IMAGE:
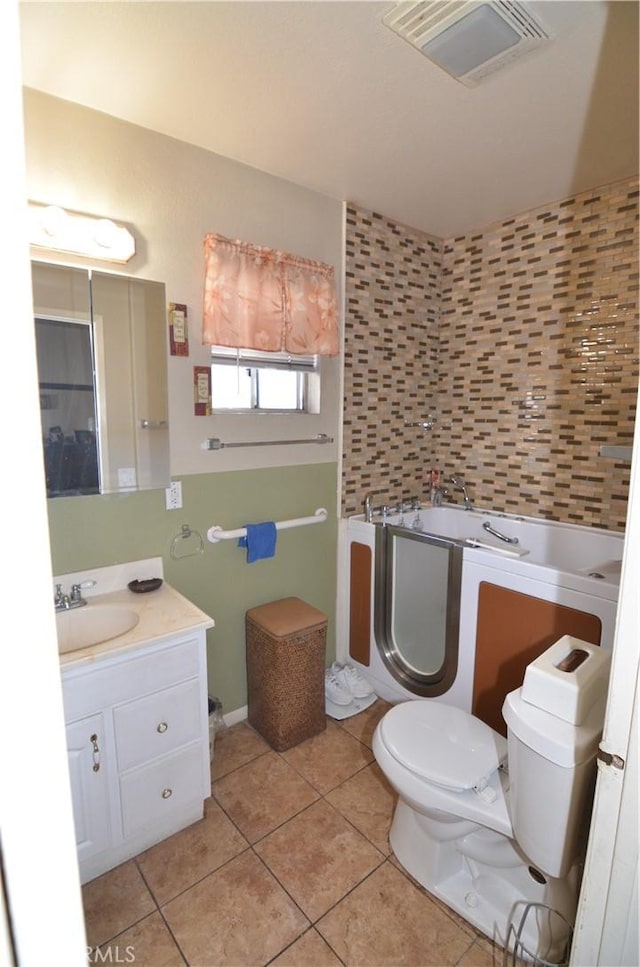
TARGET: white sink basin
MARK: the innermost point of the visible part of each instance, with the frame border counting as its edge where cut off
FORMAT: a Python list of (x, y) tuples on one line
[(92, 624)]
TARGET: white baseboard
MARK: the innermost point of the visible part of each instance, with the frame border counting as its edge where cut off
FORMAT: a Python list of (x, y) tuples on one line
[(238, 715)]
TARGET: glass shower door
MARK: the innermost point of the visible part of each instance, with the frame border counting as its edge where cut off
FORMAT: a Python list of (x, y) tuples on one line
[(417, 608)]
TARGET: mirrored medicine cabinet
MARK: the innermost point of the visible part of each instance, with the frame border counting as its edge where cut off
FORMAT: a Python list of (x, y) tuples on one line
[(102, 369)]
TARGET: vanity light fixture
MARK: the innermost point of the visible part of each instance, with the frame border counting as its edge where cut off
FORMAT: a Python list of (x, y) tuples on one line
[(57, 230)]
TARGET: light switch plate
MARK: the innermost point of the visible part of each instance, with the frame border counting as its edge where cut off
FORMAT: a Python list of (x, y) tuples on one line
[(126, 477)]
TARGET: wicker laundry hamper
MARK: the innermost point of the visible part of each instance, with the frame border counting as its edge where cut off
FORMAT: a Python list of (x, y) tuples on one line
[(286, 644)]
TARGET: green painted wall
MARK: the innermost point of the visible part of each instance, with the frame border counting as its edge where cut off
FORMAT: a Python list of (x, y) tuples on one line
[(96, 531)]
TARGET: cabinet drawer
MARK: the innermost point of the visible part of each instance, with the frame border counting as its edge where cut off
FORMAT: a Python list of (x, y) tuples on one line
[(156, 792), (156, 724), (123, 677)]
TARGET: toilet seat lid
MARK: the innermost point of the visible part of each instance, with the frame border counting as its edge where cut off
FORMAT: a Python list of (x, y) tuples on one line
[(443, 744)]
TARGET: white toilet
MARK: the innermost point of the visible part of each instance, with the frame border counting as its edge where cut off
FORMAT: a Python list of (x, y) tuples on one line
[(497, 828)]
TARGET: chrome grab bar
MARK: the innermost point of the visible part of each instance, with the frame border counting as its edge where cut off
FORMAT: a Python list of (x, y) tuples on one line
[(503, 537)]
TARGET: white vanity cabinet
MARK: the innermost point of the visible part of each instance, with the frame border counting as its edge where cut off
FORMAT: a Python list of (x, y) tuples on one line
[(137, 735), (89, 786)]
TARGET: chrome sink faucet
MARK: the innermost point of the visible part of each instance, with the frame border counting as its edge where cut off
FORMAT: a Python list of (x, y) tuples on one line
[(61, 600), (65, 602), (458, 484)]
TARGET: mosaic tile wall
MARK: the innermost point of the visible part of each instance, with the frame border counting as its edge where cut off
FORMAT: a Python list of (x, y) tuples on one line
[(532, 331), (392, 293)]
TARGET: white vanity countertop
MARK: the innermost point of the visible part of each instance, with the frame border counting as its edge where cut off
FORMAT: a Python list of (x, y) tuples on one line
[(161, 614)]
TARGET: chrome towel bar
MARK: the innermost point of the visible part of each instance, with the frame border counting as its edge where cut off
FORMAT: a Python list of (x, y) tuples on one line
[(214, 443)]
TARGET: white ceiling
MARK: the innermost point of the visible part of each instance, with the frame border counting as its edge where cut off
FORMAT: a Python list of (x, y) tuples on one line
[(324, 95)]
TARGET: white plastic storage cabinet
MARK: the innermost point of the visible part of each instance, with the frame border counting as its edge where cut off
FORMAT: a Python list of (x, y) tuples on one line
[(138, 746)]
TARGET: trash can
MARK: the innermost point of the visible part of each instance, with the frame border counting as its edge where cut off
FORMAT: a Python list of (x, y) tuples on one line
[(216, 722), (286, 644)]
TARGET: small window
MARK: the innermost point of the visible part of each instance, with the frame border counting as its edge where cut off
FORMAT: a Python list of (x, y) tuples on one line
[(247, 380)]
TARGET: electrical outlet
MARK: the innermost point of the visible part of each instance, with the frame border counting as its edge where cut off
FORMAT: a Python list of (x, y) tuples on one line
[(174, 495)]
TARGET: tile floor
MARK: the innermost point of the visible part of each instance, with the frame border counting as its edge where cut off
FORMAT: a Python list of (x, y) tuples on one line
[(291, 866)]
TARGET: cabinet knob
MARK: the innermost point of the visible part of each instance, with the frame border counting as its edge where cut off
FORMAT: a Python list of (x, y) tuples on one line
[(167, 793), (162, 727)]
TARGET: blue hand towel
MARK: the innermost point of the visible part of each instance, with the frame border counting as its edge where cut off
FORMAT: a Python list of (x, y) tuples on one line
[(260, 541)]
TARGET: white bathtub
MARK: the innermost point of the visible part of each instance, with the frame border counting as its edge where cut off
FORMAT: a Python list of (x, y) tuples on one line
[(564, 554), (551, 562)]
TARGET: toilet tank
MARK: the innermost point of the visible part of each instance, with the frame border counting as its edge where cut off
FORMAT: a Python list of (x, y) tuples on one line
[(553, 735)]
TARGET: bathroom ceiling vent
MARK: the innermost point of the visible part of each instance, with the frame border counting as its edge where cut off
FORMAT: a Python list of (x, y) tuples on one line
[(470, 39)]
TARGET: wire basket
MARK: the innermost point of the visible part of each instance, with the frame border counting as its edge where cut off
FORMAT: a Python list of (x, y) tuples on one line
[(554, 934)]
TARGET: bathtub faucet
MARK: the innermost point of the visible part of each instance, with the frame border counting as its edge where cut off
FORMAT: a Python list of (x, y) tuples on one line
[(458, 484), (368, 508)]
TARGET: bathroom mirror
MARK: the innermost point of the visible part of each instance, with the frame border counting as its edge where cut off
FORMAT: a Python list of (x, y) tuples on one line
[(102, 369)]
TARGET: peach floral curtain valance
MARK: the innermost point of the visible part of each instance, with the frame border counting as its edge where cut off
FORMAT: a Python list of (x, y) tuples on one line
[(258, 298)]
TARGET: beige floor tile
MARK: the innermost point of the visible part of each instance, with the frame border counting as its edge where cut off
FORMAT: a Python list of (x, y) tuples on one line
[(114, 901), (234, 747), (262, 795), (148, 944), (446, 909), (238, 915), (184, 858), (309, 951), (328, 759), (386, 921), (317, 857), (480, 954), (368, 801), (363, 726)]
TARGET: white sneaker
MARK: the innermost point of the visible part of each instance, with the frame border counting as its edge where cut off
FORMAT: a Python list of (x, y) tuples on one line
[(335, 690), (351, 680)]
